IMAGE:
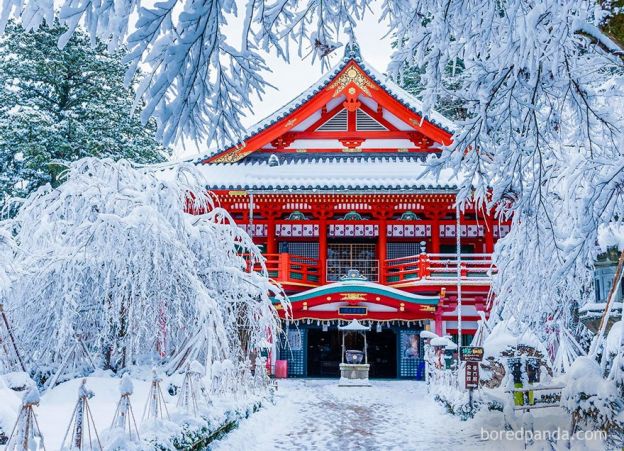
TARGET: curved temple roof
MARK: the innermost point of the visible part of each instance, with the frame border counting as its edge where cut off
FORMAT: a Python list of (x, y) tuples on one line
[(382, 173), (358, 82), (365, 287)]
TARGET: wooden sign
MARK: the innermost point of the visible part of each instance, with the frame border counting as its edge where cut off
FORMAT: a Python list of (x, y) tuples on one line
[(471, 354), (472, 375)]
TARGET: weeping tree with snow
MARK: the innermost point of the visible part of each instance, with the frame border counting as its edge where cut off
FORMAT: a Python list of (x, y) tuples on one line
[(538, 82), (140, 264)]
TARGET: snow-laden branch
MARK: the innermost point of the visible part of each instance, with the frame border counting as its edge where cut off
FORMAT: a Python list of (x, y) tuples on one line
[(541, 142), (195, 81), (111, 255)]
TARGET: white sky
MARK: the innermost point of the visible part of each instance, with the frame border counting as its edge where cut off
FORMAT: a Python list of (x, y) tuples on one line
[(292, 78)]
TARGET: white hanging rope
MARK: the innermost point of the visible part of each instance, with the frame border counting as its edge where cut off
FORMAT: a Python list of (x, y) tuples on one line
[(459, 284)]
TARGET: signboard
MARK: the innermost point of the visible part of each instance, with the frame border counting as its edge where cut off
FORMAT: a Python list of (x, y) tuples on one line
[(294, 340), (352, 311), (471, 354), (472, 375)]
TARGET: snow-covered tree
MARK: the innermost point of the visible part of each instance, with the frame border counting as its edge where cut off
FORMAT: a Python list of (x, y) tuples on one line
[(59, 105), (542, 88), (201, 77), (540, 84), (113, 255)]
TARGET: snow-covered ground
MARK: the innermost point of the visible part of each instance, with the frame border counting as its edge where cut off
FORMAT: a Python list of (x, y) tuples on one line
[(57, 405), (319, 415), (391, 415)]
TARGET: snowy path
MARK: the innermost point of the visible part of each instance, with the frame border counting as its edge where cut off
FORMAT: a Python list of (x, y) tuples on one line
[(319, 415)]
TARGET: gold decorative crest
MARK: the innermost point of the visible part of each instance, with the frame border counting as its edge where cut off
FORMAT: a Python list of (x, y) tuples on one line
[(232, 156), (290, 122), (352, 296), (351, 75), (415, 123)]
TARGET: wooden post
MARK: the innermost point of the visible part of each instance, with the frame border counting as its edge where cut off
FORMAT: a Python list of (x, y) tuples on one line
[(489, 235), (605, 315), (382, 250), (323, 250), (365, 349), (12, 338), (271, 247), (435, 234), (284, 267)]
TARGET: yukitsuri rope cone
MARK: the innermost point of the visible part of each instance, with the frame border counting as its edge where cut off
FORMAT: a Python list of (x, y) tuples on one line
[(10, 358), (124, 415), (155, 408), (26, 430), (190, 392), (81, 430)]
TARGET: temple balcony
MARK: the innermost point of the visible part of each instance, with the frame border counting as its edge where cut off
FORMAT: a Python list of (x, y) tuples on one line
[(425, 269)]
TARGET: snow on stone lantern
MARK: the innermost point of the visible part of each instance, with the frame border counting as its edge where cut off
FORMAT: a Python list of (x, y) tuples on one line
[(354, 367)]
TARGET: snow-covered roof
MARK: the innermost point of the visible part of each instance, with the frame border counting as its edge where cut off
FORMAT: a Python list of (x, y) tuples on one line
[(352, 54), (361, 286), (400, 173), (443, 341), (354, 325)]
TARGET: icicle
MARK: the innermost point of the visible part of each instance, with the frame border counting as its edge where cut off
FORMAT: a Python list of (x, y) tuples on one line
[(155, 408), (124, 419), (81, 429), (26, 429)]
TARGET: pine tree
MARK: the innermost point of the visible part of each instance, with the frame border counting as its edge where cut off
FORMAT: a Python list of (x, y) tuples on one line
[(448, 103), (57, 106)]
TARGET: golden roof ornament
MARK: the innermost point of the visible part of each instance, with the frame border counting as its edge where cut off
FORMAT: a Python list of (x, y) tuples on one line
[(352, 75)]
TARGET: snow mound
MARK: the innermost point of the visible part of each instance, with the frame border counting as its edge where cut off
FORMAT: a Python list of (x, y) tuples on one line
[(443, 341), (508, 335), (17, 380), (125, 386), (614, 339), (428, 334), (9, 407)]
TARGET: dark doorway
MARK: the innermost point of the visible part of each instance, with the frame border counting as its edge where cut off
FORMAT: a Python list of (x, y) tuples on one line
[(325, 354), (382, 353)]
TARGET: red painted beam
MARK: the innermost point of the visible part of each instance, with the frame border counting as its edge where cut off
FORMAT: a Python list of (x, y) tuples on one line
[(375, 134)]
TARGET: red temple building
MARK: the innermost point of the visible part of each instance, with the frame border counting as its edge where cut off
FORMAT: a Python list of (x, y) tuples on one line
[(333, 188)]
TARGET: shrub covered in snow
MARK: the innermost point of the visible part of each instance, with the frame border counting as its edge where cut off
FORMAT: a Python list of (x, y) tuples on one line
[(593, 402), (113, 256)]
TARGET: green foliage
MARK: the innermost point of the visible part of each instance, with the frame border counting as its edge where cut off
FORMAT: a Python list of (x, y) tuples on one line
[(448, 104), (614, 24), (57, 106)]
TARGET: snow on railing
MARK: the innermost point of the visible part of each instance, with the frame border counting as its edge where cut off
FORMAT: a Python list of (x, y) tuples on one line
[(285, 268)]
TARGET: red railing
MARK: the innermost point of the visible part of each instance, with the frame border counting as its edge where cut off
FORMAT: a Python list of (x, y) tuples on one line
[(299, 270), (436, 266), (287, 268)]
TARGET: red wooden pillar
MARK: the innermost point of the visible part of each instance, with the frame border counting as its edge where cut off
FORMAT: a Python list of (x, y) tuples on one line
[(382, 250), (284, 267), (438, 321), (271, 236), (435, 234), (489, 235), (322, 250)]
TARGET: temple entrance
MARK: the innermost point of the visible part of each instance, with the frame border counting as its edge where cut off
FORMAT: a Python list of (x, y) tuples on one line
[(382, 353), (345, 256), (324, 352)]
